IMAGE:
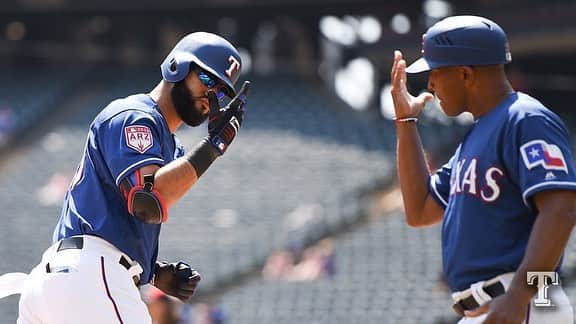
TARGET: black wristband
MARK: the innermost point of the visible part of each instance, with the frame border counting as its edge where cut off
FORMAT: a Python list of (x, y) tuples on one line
[(202, 156)]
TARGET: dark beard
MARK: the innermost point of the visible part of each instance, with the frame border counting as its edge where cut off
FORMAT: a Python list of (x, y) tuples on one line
[(185, 105)]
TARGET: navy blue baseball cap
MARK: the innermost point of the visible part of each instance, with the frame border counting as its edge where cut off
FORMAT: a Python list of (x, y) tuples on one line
[(462, 40)]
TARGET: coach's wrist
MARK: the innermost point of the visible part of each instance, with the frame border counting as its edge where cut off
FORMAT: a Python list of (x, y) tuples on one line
[(405, 120), (521, 291)]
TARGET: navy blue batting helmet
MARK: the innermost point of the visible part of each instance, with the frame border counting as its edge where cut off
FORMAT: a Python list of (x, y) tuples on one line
[(210, 52), (462, 40)]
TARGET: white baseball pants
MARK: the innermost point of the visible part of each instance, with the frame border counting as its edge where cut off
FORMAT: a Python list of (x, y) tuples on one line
[(86, 285)]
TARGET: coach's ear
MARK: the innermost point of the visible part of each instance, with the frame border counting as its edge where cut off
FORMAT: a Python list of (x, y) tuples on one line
[(468, 75)]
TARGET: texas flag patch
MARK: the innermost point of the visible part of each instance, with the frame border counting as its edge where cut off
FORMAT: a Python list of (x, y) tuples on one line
[(539, 153), (139, 137)]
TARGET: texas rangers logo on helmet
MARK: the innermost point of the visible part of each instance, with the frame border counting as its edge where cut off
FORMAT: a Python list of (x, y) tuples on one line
[(139, 137), (234, 66), (539, 153)]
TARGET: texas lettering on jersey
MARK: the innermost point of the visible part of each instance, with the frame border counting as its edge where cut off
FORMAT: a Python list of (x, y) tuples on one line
[(466, 179)]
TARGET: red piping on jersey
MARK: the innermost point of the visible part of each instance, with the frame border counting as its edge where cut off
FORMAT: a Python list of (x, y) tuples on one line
[(108, 291), (528, 313)]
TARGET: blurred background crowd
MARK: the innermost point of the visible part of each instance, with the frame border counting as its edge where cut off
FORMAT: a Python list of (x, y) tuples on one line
[(311, 228)]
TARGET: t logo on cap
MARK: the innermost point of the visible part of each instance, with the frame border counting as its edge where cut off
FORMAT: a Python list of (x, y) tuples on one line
[(234, 66)]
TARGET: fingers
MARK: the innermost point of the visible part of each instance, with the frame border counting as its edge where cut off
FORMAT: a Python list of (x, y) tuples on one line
[(424, 97), (401, 74), (244, 89), (184, 297), (398, 74), (393, 69), (240, 98), (477, 311), (194, 277), (397, 58), (213, 102), (187, 290)]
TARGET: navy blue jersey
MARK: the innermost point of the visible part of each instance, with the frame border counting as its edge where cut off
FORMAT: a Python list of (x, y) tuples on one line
[(125, 136), (516, 150)]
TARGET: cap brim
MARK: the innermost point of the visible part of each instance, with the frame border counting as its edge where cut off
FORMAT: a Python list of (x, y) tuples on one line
[(420, 65)]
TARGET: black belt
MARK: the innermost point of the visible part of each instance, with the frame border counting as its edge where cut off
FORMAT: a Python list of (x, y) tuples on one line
[(77, 243), (469, 303)]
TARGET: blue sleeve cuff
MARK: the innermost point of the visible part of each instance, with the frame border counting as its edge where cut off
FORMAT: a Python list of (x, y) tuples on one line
[(137, 165), (550, 185), (435, 193)]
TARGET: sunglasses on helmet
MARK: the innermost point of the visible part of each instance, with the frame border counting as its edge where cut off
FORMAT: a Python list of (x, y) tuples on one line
[(213, 83)]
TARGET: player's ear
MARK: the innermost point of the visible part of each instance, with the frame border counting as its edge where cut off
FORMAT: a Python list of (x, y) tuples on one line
[(468, 74)]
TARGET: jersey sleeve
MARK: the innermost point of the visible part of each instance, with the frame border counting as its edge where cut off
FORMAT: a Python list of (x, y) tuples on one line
[(129, 141), (439, 183), (180, 151), (538, 154)]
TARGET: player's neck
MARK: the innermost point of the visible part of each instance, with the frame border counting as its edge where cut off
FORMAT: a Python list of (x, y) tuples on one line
[(161, 95), (489, 98)]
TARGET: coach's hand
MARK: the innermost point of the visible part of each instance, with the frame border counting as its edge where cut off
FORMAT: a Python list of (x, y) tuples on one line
[(225, 122), (405, 104), (176, 279), (504, 309)]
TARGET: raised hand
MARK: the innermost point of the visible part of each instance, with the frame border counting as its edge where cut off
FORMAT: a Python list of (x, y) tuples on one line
[(225, 121), (405, 104)]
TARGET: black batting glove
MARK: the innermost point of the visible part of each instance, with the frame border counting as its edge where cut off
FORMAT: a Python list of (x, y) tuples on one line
[(225, 121), (176, 279)]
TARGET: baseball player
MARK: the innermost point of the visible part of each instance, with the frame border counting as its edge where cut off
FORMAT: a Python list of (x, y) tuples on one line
[(132, 170), (506, 198)]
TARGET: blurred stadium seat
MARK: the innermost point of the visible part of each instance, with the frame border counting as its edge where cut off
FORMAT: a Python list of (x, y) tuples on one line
[(27, 94)]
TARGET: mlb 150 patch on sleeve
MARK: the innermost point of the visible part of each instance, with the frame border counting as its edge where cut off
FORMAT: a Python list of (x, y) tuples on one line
[(539, 153), (139, 137)]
